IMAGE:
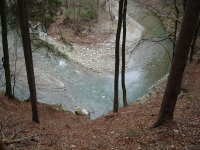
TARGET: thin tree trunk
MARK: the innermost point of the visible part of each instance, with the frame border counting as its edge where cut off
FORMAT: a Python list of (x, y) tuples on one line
[(116, 80), (97, 11), (74, 9), (184, 4), (5, 59), (194, 41), (28, 58), (2, 146), (123, 54), (179, 62), (67, 6), (176, 25)]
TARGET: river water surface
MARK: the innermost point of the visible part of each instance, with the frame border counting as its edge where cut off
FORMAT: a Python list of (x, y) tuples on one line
[(65, 82)]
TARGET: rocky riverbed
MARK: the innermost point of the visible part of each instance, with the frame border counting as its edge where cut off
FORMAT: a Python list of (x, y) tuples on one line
[(99, 54)]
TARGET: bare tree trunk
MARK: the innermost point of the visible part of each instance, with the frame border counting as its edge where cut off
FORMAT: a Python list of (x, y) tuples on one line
[(176, 25), (66, 3), (123, 54), (179, 62), (116, 80), (2, 146), (97, 11), (5, 59), (28, 58), (184, 4), (74, 9)]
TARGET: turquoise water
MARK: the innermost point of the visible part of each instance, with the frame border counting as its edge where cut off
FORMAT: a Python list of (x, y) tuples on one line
[(65, 82)]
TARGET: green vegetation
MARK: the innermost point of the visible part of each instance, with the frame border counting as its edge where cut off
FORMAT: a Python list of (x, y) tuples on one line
[(51, 49), (191, 96), (88, 10), (37, 11), (43, 11), (62, 39), (69, 12), (84, 11)]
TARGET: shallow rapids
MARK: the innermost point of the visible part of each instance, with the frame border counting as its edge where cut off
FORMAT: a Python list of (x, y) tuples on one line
[(66, 82)]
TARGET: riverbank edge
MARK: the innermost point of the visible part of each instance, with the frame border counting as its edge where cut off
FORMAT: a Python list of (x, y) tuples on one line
[(166, 22), (160, 84), (152, 91)]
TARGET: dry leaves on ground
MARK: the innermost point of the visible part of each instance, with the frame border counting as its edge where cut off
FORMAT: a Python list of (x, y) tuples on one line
[(128, 129)]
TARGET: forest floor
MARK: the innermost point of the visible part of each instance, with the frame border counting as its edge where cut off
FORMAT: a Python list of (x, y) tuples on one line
[(128, 129)]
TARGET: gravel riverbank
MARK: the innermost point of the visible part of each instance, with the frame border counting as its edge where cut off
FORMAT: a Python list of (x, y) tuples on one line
[(99, 55)]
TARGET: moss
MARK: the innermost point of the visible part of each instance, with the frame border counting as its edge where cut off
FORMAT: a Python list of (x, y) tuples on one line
[(10, 141), (191, 96)]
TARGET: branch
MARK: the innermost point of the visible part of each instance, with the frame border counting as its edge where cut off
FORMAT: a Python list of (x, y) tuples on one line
[(5, 118), (15, 133), (10, 141), (3, 135)]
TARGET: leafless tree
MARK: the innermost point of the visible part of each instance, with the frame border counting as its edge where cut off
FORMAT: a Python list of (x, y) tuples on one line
[(5, 59), (179, 62), (123, 54), (116, 80), (28, 58)]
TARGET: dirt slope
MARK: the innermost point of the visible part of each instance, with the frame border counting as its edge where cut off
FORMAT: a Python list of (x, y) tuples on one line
[(127, 129)]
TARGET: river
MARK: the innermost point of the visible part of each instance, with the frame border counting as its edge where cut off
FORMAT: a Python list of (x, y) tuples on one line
[(60, 81)]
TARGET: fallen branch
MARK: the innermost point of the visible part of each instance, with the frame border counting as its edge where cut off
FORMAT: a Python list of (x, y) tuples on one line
[(1, 124), (14, 134), (10, 141)]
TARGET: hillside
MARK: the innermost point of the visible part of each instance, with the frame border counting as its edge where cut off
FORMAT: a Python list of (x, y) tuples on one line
[(128, 129)]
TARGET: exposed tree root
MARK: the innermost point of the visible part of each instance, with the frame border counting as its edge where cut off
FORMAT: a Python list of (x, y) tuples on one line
[(2, 146)]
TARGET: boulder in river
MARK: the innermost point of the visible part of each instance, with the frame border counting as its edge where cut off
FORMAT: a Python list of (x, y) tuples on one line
[(82, 112)]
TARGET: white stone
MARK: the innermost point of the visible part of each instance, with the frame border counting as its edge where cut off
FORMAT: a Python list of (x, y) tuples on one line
[(85, 111)]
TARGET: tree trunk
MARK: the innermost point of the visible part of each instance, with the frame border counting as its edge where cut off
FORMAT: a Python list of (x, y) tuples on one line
[(28, 58), (184, 4), (194, 41), (116, 101), (5, 59), (123, 54), (176, 25), (2, 146), (179, 62), (66, 3), (97, 19)]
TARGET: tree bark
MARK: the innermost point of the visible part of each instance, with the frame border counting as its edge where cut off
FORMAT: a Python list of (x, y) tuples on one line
[(184, 4), (179, 62), (2, 146), (28, 58), (116, 80), (123, 54), (5, 59)]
